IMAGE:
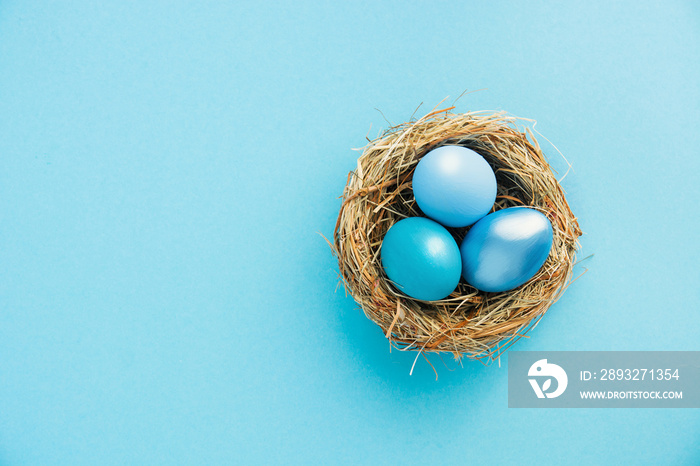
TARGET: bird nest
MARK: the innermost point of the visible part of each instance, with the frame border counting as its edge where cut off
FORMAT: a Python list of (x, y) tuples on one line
[(469, 322)]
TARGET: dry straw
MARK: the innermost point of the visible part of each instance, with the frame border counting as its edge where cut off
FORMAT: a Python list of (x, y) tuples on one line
[(378, 193)]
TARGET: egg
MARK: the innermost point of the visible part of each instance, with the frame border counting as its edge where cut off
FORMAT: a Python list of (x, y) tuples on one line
[(505, 249), (454, 186), (421, 258)]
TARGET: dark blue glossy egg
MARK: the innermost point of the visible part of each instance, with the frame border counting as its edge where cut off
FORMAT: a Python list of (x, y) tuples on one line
[(505, 249)]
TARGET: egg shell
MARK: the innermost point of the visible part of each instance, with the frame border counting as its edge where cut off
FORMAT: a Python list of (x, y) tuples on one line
[(454, 186), (421, 258), (505, 249)]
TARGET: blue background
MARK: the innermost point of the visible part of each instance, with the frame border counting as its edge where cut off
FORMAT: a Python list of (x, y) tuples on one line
[(165, 169)]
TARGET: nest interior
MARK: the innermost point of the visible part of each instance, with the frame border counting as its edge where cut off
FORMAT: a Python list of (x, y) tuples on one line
[(378, 193)]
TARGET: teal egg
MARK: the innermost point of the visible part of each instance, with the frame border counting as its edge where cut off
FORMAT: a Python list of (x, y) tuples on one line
[(505, 249), (421, 258)]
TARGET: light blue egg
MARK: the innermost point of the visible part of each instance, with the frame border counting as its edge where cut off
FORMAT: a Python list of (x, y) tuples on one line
[(454, 185), (506, 248), (422, 258)]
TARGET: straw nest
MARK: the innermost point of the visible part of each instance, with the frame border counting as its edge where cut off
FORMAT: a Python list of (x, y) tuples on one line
[(378, 193)]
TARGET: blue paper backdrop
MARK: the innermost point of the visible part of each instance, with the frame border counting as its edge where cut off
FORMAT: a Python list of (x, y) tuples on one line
[(166, 169)]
